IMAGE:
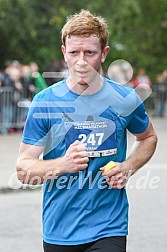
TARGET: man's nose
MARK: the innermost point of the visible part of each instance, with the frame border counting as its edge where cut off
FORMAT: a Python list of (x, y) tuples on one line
[(81, 59)]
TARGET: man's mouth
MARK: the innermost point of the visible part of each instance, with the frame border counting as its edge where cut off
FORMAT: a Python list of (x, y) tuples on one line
[(82, 73)]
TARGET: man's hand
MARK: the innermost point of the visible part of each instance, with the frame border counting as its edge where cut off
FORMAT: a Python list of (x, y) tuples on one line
[(118, 176), (76, 158)]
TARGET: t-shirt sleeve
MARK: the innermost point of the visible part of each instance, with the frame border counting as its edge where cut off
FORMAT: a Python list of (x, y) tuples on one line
[(139, 120), (36, 126)]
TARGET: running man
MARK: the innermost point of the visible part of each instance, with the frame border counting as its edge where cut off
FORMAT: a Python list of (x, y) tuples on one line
[(79, 125)]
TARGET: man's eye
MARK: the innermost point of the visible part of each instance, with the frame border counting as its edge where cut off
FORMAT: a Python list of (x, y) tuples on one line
[(73, 52), (89, 53)]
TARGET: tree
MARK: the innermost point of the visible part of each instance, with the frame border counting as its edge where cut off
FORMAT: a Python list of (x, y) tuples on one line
[(30, 30)]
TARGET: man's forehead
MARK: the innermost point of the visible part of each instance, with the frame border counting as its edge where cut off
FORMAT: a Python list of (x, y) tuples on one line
[(73, 40)]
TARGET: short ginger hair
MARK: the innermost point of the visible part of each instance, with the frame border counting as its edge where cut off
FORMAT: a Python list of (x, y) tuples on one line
[(85, 23)]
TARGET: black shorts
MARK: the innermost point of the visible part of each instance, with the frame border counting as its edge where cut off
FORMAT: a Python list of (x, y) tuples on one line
[(109, 244)]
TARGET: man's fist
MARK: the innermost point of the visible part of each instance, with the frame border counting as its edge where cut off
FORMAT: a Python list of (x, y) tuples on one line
[(76, 158)]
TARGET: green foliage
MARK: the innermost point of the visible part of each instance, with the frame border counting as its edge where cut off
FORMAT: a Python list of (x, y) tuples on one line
[(30, 30)]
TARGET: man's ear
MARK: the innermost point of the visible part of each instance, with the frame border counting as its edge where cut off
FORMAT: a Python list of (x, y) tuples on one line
[(63, 49), (104, 53)]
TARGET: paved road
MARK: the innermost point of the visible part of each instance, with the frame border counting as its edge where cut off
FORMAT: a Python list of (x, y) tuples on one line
[(147, 192), (20, 218)]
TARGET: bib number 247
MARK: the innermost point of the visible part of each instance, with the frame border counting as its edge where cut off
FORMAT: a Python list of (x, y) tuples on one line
[(94, 139)]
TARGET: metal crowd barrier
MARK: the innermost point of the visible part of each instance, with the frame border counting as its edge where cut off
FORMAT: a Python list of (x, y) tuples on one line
[(13, 109)]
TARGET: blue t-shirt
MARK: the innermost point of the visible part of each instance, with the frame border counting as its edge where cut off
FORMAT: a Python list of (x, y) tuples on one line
[(81, 207)]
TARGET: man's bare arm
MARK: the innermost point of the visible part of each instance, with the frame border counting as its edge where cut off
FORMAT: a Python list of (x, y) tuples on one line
[(29, 166), (141, 152)]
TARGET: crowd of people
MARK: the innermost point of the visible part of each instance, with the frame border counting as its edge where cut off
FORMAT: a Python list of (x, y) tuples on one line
[(153, 93), (19, 83), (158, 89)]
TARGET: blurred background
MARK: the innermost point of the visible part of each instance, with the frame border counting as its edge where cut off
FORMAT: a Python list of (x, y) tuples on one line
[(30, 45), (30, 33)]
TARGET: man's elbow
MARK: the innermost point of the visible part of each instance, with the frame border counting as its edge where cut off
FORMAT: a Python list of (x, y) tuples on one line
[(155, 140), (153, 143)]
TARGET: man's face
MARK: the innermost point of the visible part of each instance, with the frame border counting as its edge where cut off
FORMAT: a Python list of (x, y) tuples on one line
[(84, 57)]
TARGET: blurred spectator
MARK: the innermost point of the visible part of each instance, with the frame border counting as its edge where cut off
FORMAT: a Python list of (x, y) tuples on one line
[(15, 76), (6, 104), (161, 94), (141, 78), (37, 80), (26, 80), (28, 91), (53, 67), (11, 89), (142, 85), (1, 77), (57, 70)]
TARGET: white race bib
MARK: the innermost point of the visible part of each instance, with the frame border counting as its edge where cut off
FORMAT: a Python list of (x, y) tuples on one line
[(98, 136)]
